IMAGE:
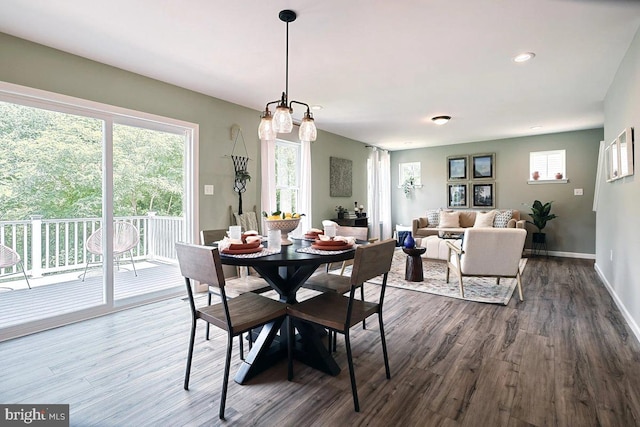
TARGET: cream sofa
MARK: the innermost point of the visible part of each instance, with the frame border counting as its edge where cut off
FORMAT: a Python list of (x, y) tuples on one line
[(421, 227)]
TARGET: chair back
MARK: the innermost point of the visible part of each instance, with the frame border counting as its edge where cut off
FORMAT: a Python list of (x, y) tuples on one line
[(492, 251), (201, 263), (360, 233), (207, 237), (372, 260), (125, 238), (8, 257)]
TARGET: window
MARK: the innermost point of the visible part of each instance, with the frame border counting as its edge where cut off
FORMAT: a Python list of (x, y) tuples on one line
[(287, 176), (547, 165)]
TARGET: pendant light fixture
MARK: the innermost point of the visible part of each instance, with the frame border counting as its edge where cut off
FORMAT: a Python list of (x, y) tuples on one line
[(281, 121)]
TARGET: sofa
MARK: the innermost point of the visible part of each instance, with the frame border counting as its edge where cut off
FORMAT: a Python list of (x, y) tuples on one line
[(429, 230)]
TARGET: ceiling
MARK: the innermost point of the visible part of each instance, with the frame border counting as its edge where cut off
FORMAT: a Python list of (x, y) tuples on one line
[(380, 69)]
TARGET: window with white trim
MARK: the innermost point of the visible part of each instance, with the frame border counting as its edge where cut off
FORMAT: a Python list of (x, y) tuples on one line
[(547, 165), (287, 175)]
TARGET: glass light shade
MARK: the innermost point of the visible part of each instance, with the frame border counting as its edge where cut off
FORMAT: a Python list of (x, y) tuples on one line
[(307, 130), (282, 120), (266, 132)]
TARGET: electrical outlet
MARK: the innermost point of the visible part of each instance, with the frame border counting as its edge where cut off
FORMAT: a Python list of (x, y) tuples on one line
[(208, 190), (577, 192)]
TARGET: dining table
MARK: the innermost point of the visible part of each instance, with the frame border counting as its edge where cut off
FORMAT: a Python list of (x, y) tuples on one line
[(286, 271)]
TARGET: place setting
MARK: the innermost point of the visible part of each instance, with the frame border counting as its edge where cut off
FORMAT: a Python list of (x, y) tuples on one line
[(243, 245), (327, 243)]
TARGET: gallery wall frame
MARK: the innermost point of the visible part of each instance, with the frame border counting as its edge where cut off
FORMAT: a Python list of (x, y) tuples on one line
[(458, 168), (613, 159), (457, 195), (340, 177), (483, 166), (483, 195), (409, 170), (625, 150)]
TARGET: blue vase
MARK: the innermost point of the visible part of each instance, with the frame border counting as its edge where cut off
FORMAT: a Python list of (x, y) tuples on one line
[(409, 243)]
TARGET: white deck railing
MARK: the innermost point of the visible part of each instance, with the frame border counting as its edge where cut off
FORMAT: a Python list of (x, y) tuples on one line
[(55, 245)]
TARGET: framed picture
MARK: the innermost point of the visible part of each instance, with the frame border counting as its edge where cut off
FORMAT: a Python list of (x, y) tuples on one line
[(483, 166), (625, 148), (340, 177), (613, 161), (409, 171), (457, 168), (457, 196), (484, 195)]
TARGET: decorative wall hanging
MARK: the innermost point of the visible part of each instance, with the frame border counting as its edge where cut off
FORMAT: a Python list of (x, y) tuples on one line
[(457, 196), (483, 166), (340, 177), (483, 195), (457, 168), (240, 164)]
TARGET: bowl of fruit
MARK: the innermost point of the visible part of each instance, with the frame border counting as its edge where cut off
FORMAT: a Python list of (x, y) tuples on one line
[(286, 222)]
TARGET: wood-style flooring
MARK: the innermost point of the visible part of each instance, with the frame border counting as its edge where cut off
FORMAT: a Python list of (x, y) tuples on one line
[(563, 357)]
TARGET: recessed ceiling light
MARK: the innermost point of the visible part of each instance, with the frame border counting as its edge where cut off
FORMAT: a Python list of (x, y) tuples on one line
[(316, 107), (535, 127), (440, 120), (524, 57)]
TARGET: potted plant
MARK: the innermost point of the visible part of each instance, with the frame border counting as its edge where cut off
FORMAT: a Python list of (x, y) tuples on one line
[(540, 214), (341, 212)]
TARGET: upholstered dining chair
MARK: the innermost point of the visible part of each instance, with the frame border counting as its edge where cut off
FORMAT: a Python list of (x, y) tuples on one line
[(339, 313), (236, 316), (236, 287), (9, 258), (125, 238), (487, 252)]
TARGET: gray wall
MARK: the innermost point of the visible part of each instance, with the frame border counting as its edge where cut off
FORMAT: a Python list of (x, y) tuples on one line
[(571, 234), (618, 228), (40, 67)]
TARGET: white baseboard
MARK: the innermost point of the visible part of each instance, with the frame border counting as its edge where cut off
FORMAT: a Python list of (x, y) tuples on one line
[(564, 254), (625, 313)]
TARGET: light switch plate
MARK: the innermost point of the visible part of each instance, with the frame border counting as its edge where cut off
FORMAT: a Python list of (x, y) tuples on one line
[(577, 191), (208, 190)]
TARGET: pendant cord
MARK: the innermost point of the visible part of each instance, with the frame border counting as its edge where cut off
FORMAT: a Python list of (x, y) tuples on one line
[(286, 83)]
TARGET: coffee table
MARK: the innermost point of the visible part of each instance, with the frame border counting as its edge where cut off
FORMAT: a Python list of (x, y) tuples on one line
[(413, 270)]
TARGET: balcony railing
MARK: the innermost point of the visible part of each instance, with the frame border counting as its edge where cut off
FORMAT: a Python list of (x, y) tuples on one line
[(56, 245)]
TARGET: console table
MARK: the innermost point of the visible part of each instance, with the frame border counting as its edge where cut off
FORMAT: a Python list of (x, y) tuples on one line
[(352, 222)]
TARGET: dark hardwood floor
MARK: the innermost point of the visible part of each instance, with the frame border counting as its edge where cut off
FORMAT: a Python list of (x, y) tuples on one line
[(563, 357)]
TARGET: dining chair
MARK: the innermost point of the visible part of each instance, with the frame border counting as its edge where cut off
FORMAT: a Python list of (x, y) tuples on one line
[(236, 315), (339, 313), (236, 287), (125, 238), (10, 258)]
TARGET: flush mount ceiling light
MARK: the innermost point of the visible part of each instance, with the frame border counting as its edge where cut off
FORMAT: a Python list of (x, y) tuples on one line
[(440, 120), (281, 121), (524, 57)]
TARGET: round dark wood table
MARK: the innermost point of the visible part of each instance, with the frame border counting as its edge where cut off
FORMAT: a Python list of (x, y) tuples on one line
[(413, 270), (286, 272)]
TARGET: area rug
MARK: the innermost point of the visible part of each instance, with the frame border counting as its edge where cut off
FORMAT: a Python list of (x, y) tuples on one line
[(479, 289)]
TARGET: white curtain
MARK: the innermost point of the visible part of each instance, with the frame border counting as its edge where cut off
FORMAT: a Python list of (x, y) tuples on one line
[(379, 193), (304, 197), (268, 164)]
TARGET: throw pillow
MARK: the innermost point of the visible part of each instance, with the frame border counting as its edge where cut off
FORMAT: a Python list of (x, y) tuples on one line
[(484, 219), (433, 216), (449, 219), (502, 218)]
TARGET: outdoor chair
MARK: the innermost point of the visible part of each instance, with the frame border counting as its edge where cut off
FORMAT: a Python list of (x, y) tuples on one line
[(487, 252), (125, 238), (236, 316), (339, 313), (10, 258)]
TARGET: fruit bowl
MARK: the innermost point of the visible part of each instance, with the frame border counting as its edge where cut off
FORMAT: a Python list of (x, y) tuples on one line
[(285, 226)]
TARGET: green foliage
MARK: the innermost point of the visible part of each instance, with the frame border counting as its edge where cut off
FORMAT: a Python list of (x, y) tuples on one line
[(51, 165), (541, 214)]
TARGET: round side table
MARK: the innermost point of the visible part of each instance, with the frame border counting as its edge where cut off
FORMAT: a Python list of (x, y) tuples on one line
[(413, 271)]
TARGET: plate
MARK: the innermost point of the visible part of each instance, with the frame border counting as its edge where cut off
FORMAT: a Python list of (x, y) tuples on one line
[(342, 247), (242, 251), (311, 236), (241, 246), (331, 243)]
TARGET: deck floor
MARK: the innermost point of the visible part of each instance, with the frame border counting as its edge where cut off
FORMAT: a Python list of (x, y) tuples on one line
[(66, 293)]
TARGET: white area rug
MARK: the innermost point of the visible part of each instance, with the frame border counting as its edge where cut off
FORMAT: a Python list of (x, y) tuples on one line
[(479, 289)]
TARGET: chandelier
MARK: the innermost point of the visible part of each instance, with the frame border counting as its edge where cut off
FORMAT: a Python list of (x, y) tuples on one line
[(281, 121)]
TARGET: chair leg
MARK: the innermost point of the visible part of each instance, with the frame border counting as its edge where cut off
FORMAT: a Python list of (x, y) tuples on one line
[(25, 274), (335, 341), (519, 279), (133, 263), (250, 339), (208, 325), (85, 271), (384, 347), (225, 380), (352, 374), (241, 346), (364, 321), (190, 354), (290, 344)]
